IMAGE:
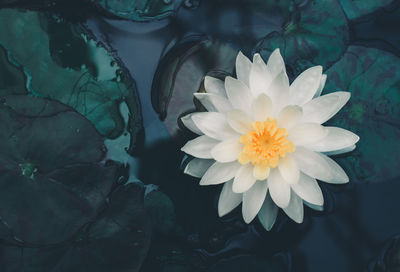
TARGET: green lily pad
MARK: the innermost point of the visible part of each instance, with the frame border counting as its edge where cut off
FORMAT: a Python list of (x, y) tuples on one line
[(117, 241), (316, 34), (139, 10), (62, 63), (12, 78), (373, 112), (357, 8), (52, 181), (180, 74), (161, 210)]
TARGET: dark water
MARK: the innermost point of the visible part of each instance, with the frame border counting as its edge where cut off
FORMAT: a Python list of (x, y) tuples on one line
[(357, 230)]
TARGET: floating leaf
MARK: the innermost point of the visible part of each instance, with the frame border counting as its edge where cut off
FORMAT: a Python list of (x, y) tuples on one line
[(12, 79), (161, 210), (139, 10), (373, 113), (64, 64), (51, 180), (316, 34), (181, 73), (357, 8), (117, 241)]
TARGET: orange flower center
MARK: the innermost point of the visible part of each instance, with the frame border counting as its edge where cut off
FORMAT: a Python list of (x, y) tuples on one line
[(265, 144)]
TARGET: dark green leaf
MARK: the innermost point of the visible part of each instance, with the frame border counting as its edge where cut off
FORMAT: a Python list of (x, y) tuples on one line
[(357, 8)]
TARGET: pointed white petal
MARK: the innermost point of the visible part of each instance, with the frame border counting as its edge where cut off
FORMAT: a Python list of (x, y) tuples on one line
[(323, 108), (227, 151), (340, 151), (268, 212), (214, 125), (239, 121), (198, 167), (319, 166), (243, 68), (238, 94), (228, 200), (244, 179), (275, 63), (200, 147), (278, 91), (219, 173), (295, 208), (189, 124), (262, 108), (279, 189), (253, 199), (289, 116), (261, 172), (213, 102), (321, 86), (307, 133), (260, 77), (336, 139), (289, 170), (305, 85), (215, 86), (313, 206), (308, 189)]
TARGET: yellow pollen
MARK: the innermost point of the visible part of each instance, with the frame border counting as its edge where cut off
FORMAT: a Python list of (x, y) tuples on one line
[(265, 144)]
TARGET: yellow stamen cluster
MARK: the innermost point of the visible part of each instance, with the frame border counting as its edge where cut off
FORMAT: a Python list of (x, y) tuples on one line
[(265, 144)]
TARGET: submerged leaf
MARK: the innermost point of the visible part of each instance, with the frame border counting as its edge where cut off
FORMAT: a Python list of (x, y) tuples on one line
[(373, 112), (139, 10), (64, 64), (181, 72), (316, 34)]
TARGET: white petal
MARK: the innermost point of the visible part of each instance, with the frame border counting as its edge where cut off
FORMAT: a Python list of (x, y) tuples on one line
[(261, 172), (313, 206), (243, 68), (253, 199), (279, 189), (215, 86), (319, 166), (278, 91), (189, 124), (323, 108), (295, 208), (268, 212), (227, 151), (228, 200), (321, 86), (289, 116), (307, 133), (200, 147), (214, 125), (288, 168), (239, 121), (308, 189), (198, 167), (238, 94), (213, 102), (260, 77), (244, 179), (262, 107), (219, 173), (336, 139), (305, 85), (275, 63), (341, 151)]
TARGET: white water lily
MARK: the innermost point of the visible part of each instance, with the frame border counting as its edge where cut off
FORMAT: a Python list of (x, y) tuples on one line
[(264, 139)]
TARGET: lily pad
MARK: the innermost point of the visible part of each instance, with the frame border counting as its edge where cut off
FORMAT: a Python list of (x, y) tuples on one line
[(12, 78), (63, 63), (117, 241), (181, 72), (139, 10), (161, 210), (357, 8), (51, 180), (316, 34), (373, 113)]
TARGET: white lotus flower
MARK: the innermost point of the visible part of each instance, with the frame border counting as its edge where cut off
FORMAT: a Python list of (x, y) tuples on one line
[(264, 139)]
